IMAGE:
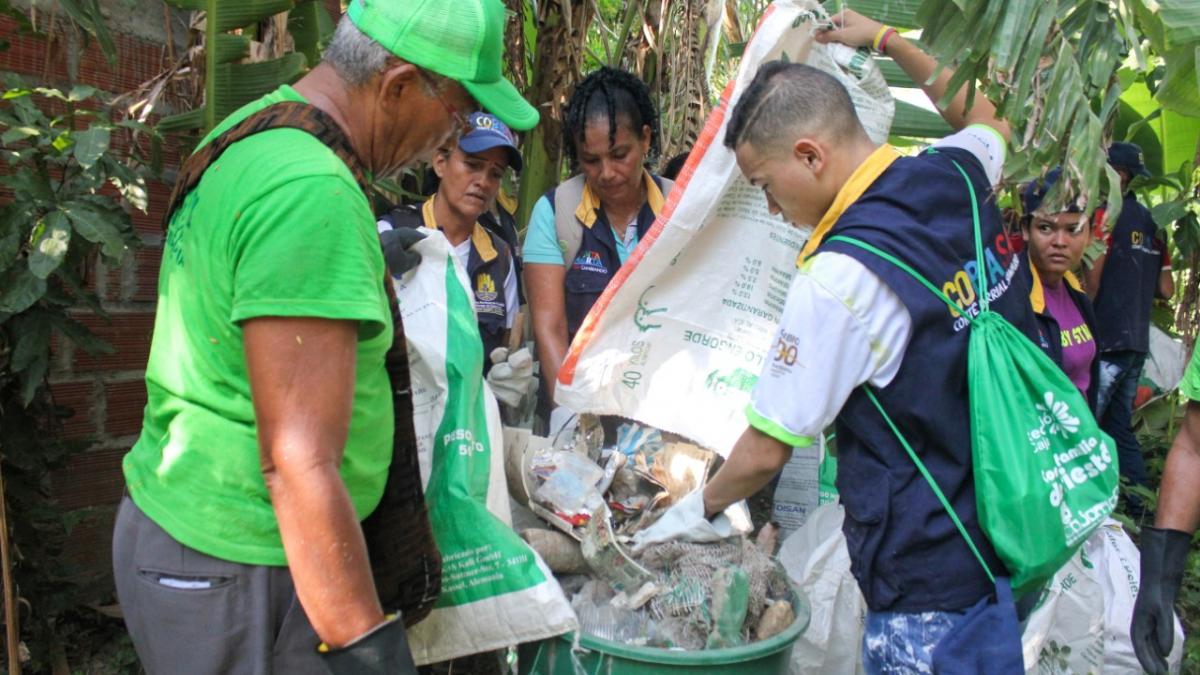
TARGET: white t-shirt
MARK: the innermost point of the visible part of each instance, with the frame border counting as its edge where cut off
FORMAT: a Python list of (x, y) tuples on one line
[(841, 326)]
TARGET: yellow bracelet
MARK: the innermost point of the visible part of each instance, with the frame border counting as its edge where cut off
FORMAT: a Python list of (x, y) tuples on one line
[(879, 36)]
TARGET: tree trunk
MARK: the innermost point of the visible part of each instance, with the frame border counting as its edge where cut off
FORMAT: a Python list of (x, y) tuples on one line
[(558, 61)]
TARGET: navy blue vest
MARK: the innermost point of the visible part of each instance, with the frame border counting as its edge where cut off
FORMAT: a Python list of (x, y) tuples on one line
[(596, 262), (905, 551), (1129, 281), (487, 281)]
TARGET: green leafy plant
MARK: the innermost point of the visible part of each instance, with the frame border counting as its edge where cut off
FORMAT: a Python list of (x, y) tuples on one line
[(68, 207), (234, 73)]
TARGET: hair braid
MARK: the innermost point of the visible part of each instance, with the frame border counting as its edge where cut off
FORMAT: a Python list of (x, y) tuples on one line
[(612, 94)]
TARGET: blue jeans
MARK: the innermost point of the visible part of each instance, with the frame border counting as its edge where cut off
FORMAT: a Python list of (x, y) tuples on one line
[(1119, 375), (900, 642)]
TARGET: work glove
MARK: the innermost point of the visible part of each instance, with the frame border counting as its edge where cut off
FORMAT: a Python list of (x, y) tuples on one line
[(397, 249), (511, 377), (383, 650), (1164, 555), (685, 521)]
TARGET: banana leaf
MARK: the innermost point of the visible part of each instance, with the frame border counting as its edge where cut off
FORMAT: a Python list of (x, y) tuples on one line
[(311, 27), (898, 13), (226, 15), (916, 122), (1177, 134), (236, 84)]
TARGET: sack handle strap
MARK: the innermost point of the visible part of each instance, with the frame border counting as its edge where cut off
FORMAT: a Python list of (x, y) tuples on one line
[(932, 483)]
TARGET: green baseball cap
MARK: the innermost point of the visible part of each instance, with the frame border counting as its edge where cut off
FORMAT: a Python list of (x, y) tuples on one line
[(459, 39)]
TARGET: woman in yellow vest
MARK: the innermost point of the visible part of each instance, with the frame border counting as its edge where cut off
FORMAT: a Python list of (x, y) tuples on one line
[(583, 230)]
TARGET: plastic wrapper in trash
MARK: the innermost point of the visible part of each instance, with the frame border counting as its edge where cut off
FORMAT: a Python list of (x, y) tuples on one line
[(633, 438), (600, 616), (730, 598), (583, 434), (560, 551), (607, 558)]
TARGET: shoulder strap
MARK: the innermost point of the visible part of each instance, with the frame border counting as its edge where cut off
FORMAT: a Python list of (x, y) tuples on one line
[(932, 483), (904, 267), (283, 115), (982, 277), (567, 228)]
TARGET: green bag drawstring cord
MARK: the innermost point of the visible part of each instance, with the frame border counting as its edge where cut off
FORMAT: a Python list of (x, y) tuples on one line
[(932, 483), (980, 275)]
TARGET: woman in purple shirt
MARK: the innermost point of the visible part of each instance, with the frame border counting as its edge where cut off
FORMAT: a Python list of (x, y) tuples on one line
[(1054, 245)]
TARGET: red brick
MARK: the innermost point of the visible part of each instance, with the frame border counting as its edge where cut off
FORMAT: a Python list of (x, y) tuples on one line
[(147, 261), (123, 406), (137, 62), (128, 333), (91, 478), (78, 397), (89, 548), (29, 56), (150, 222)]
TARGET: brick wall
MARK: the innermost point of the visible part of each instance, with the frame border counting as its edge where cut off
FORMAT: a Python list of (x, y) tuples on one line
[(106, 393)]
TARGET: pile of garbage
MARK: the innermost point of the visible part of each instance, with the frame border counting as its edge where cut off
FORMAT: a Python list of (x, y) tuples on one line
[(676, 595)]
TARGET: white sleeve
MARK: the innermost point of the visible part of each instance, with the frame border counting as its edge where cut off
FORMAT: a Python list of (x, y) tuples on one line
[(383, 226), (511, 299), (985, 143), (841, 326)]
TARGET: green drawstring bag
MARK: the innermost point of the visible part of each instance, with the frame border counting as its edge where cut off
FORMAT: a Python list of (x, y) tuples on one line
[(1045, 474)]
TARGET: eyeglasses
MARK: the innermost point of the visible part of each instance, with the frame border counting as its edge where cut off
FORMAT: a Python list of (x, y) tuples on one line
[(463, 124)]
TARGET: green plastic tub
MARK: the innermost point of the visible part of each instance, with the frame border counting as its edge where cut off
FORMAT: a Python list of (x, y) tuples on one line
[(597, 656)]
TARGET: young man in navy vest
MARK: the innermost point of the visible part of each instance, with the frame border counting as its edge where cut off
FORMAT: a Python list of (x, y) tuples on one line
[(1123, 284), (853, 320)]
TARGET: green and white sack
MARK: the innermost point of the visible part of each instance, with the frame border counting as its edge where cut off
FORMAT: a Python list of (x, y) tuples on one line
[(496, 591)]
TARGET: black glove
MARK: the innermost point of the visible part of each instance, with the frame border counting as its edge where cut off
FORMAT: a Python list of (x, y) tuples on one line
[(1164, 555), (396, 249), (381, 651)]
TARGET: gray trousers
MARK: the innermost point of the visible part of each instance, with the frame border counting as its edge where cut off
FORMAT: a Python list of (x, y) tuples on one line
[(189, 613)]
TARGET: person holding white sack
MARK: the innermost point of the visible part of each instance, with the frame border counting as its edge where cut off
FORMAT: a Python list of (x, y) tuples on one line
[(852, 320), (470, 173), (582, 231)]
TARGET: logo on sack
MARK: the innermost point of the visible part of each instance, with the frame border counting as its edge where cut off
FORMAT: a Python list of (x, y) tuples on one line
[(1056, 417), (485, 287), (739, 379), (641, 318), (590, 262)]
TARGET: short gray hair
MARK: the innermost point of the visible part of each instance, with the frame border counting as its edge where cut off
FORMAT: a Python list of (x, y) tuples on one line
[(354, 55), (791, 98)]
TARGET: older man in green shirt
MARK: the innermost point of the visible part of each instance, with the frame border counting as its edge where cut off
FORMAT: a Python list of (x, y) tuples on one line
[(268, 429)]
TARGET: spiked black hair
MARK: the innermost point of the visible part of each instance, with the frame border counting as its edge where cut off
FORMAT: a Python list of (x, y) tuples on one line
[(612, 94)]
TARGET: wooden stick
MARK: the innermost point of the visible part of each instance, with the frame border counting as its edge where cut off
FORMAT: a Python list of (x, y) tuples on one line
[(11, 635)]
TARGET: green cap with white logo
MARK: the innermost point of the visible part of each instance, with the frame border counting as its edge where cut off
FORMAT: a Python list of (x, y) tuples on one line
[(459, 39)]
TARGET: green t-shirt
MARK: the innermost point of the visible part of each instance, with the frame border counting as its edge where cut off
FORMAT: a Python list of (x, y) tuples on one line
[(276, 227), (1190, 386)]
